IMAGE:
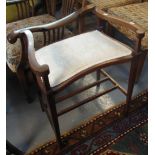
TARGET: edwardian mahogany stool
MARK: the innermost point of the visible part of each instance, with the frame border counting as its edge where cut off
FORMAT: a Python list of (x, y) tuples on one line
[(59, 64)]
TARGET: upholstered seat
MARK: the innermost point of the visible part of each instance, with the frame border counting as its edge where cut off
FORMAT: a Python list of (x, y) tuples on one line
[(70, 56), (14, 51), (137, 13), (106, 4)]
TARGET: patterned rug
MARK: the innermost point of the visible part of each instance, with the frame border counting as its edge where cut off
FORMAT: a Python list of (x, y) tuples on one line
[(102, 132), (134, 143)]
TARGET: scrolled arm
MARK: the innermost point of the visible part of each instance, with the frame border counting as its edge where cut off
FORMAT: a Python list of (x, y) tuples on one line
[(28, 39)]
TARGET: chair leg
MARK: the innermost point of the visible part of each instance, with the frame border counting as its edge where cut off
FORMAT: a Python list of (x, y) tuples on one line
[(41, 100), (81, 24), (54, 120), (39, 94), (131, 82), (140, 65), (100, 24), (110, 30), (24, 84), (98, 76)]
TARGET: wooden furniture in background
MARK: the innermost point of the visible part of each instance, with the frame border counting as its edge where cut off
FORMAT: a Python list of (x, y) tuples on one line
[(59, 65), (138, 14), (13, 14), (106, 4)]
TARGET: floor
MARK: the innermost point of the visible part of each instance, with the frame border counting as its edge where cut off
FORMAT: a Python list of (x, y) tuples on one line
[(27, 126)]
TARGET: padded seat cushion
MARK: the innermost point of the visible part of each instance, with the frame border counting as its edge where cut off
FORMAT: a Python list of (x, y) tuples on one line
[(137, 13), (70, 56), (14, 51), (106, 4)]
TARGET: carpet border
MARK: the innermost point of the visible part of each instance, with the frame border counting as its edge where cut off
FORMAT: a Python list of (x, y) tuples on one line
[(97, 151)]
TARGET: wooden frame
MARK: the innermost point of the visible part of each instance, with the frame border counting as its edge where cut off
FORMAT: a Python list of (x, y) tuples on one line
[(47, 93), (136, 65)]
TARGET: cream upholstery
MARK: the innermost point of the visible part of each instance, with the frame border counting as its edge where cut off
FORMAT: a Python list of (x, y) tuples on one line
[(70, 56)]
